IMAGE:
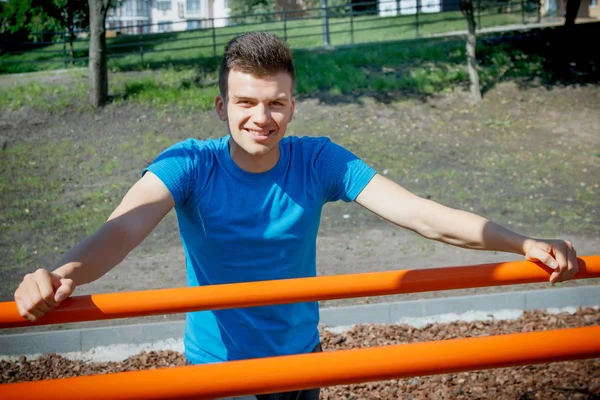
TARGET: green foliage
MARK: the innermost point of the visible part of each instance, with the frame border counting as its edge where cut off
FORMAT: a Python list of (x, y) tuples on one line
[(73, 14), (36, 16), (423, 67), (27, 15), (254, 8), (190, 47)]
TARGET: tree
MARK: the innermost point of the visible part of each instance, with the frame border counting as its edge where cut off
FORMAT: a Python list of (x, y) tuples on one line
[(468, 10), (249, 7), (43, 20), (67, 16), (73, 15), (571, 12), (97, 53), (30, 16)]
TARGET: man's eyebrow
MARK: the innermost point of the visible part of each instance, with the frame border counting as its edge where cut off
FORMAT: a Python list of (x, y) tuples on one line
[(282, 97)]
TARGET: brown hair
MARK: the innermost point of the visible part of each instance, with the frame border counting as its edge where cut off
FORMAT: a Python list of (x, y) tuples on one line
[(258, 53)]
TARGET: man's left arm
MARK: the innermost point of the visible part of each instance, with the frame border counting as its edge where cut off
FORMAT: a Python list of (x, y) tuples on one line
[(463, 229)]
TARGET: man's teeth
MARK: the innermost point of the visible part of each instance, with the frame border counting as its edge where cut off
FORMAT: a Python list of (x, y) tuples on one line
[(254, 133)]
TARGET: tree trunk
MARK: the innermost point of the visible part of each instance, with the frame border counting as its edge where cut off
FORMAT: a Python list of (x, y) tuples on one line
[(71, 29), (468, 11), (97, 53), (71, 43), (571, 12)]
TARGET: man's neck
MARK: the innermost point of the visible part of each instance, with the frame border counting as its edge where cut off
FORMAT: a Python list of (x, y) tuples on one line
[(250, 163)]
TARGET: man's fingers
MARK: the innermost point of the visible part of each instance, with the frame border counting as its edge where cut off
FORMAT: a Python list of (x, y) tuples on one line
[(31, 316), (37, 314), (572, 265), (46, 289), (36, 295), (560, 255), (543, 253), (544, 256), (554, 277), (27, 308), (23, 306), (65, 290), (34, 300)]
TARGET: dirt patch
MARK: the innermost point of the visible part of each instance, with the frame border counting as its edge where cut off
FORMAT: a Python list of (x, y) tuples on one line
[(528, 159), (564, 380)]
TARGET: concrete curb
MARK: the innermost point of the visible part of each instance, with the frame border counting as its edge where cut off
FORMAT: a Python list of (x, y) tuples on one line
[(382, 313)]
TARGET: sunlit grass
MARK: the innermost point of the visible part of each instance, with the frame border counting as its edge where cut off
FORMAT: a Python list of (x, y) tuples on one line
[(135, 52), (426, 66)]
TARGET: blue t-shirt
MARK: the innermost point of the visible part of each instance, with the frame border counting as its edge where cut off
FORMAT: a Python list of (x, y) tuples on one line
[(238, 226)]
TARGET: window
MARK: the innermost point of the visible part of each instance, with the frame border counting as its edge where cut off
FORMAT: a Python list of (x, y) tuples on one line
[(193, 6), (193, 24), (593, 3), (142, 8), (163, 5), (165, 26), (128, 8)]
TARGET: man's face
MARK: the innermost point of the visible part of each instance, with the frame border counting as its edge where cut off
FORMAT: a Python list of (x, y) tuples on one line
[(257, 110)]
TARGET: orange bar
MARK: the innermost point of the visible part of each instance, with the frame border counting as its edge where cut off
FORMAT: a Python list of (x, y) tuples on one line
[(296, 372), (164, 301)]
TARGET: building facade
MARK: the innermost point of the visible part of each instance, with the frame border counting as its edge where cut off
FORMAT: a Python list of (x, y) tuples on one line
[(132, 17)]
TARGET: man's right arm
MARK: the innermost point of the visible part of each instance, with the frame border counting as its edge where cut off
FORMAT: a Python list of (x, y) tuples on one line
[(142, 208)]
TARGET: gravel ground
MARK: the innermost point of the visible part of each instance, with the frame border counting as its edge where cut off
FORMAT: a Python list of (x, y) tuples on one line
[(565, 380)]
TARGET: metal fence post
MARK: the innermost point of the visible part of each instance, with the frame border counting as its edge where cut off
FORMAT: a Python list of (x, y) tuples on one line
[(285, 26), (64, 37), (479, 14), (325, 23), (539, 11), (523, 11), (141, 49), (417, 17), (351, 24), (214, 37)]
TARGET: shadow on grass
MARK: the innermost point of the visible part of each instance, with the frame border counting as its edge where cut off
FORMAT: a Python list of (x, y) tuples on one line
[(424, 68), (546, 57)]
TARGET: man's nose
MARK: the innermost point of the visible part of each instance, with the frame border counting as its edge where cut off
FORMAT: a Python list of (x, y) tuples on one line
[(260, 114)]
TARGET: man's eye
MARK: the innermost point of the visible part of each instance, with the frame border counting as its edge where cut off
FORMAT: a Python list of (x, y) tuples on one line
[(277, 103)]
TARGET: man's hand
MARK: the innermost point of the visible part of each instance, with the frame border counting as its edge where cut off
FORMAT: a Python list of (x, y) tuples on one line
[(556, 254), (40, 292), (142, 208)]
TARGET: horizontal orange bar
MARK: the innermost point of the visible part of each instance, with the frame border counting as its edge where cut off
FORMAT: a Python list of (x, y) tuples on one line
[(164, 301), (304, 371)]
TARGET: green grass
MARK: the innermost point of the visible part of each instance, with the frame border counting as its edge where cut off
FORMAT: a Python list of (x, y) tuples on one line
[(190, 46), (46, 97), (65, 187), (60, 185), (385, 71)]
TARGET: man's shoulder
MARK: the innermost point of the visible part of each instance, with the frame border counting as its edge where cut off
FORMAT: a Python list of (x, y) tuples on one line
[(197, 151), (310, 144), (201, 145)]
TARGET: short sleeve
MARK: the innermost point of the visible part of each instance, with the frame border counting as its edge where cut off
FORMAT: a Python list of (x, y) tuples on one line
[(176, 167), (341, 173)]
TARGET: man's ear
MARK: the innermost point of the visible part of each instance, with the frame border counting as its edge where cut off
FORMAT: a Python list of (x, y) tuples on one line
[(221, 107)]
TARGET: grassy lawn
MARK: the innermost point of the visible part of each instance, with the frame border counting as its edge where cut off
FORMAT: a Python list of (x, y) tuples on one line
[(511, 158), (419, 67), (189, 46)]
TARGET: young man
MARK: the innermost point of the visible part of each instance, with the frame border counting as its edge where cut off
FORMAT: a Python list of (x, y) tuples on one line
[(249, 207)]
